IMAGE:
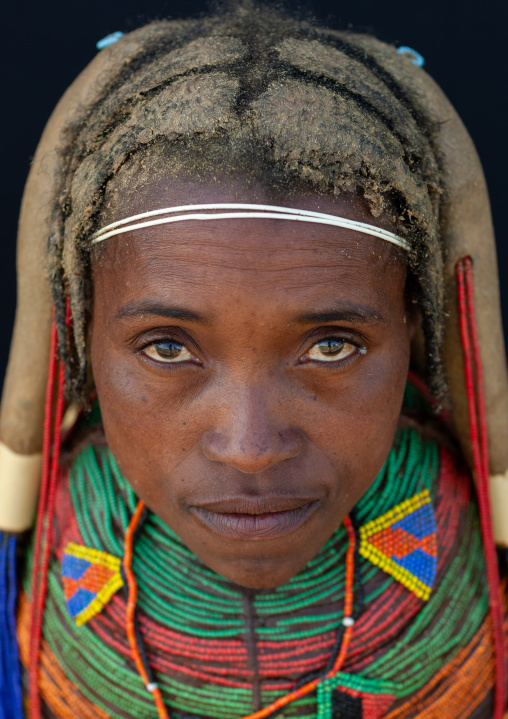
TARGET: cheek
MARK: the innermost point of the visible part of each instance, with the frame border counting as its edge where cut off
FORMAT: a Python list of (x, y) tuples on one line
[(362, 425), (145, 427), (358, 412)]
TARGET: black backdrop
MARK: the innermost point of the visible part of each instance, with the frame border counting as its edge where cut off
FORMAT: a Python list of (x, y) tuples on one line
[(44, 46)]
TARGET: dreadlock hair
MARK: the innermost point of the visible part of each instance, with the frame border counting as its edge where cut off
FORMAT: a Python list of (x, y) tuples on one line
[(259, 92)]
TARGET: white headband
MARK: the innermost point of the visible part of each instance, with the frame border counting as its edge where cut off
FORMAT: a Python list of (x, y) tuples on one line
[(240, 211)]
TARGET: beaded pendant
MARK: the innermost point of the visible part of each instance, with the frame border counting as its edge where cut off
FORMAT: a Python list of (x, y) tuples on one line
[(90, 578), (403, 543)]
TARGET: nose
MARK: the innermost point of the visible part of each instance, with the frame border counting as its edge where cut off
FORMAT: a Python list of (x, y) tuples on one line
[(249, 434)]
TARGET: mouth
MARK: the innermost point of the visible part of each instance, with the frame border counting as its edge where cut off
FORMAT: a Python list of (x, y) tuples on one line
[(255, 519)]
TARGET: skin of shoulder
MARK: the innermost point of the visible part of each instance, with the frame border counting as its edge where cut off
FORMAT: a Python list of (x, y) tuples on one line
[(250, 372)]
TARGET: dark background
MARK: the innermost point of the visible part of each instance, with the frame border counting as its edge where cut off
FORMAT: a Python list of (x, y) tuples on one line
[(46, 44)]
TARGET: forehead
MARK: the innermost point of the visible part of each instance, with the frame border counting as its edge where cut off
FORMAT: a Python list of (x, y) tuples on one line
[(269, 261)]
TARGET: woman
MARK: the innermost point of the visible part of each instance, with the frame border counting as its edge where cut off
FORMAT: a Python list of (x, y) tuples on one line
[(255, 227)]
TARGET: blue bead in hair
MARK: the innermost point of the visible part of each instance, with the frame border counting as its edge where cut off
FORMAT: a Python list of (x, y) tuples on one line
[(417, 58), (108, 40)]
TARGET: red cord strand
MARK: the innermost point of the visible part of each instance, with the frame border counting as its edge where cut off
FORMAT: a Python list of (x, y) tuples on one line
[(45, 512), (35, 619), (482, 418), (131, 609), (50, 510), (479, 445), (348, 597)]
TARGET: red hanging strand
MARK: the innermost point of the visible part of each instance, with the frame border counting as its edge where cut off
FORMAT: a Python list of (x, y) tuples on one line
[(45, 513), (478, 369), (479, 444), (35, 620), (130, 617)]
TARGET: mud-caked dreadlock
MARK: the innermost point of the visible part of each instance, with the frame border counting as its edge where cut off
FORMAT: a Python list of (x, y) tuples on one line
[(306, 107)]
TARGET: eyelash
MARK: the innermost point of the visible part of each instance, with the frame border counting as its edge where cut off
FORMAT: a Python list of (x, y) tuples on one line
[(328, 365), (176, 337), (340, 363)]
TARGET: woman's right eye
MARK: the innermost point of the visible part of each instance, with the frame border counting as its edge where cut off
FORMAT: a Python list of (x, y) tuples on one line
[(168, 352)]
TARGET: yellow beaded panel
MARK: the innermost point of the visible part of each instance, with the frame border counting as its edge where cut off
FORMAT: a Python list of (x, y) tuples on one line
[(90, 578), (403, 543)]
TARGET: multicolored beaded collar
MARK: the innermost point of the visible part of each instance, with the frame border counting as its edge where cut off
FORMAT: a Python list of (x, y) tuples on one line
[(192, 623)]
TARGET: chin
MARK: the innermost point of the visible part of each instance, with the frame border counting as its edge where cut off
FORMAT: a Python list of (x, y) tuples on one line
[(258, 574)]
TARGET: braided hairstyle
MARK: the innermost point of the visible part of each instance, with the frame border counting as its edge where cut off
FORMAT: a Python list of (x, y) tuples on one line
[(257, 92)]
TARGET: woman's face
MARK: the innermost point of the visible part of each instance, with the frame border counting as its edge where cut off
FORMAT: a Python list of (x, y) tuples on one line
[(250, 373)]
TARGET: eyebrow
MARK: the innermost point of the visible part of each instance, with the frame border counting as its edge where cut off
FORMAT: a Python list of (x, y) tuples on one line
[(155, 309), (363, 315)]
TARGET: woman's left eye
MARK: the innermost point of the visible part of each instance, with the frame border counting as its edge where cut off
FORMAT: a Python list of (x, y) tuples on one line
[(168, 352), (331, 349)]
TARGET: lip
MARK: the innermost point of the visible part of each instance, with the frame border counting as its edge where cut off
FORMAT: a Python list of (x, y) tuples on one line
[(255, 518)]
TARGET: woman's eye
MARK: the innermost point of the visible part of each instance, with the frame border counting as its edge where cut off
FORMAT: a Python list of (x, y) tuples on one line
[(169, 352), (331, 349)]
